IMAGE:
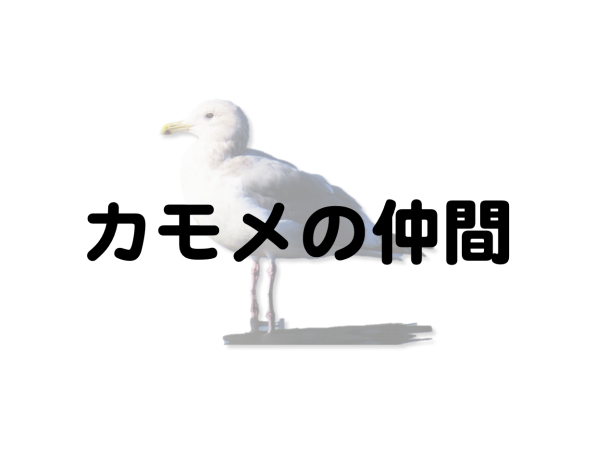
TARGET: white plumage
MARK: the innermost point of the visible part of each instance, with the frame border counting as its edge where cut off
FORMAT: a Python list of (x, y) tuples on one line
[(220, 170)]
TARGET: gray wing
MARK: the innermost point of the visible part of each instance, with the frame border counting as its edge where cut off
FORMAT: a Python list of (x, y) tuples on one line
[(270, 181), (262, 154)]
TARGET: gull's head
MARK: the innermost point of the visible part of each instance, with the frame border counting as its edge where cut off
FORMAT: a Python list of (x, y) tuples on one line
[(214, 121)]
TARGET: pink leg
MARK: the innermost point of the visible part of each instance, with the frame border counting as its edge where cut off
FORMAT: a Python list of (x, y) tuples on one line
[(252, 289), (254, 312), (271, 270), (271, 313), (254, 274)]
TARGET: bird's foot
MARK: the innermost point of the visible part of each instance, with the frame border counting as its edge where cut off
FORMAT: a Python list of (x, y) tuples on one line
[(270, 317), (254, 324)]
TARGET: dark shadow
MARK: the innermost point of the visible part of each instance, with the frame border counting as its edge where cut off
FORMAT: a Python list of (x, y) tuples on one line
[(268, 333)]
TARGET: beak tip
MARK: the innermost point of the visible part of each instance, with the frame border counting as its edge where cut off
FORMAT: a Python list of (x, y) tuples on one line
[(173, 127)]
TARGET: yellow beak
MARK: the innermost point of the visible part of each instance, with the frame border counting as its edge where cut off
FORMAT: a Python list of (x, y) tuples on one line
[(174, 127)]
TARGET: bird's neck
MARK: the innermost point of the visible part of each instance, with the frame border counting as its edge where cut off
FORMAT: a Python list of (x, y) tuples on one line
[(216, 152)]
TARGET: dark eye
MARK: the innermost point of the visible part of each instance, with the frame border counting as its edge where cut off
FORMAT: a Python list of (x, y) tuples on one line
[(209, 115)]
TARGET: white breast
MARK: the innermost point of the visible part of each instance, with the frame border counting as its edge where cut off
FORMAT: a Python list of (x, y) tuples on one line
[(201, 184)]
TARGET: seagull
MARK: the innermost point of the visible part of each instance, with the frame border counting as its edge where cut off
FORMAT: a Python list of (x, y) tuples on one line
[(220, 170)]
